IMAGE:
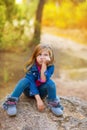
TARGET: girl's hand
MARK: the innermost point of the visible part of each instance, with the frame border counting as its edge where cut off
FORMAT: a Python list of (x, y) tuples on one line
[(46, 59), (40, 105)]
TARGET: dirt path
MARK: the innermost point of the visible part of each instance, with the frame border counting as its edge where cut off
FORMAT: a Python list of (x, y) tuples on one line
[(65, 44)]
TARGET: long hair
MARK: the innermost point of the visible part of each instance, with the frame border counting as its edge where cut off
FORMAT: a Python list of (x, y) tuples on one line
[(35, 53)]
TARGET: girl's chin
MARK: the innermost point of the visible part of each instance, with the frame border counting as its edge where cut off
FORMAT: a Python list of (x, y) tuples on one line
[(39, 63)]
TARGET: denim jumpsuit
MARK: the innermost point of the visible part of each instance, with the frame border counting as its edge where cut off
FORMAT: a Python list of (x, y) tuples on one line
[(28, 86)]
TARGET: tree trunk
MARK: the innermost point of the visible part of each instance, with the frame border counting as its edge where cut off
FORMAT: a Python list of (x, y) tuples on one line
[(37, 26)]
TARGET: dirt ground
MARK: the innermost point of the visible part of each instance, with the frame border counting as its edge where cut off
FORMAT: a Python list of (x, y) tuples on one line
[(11, 70)]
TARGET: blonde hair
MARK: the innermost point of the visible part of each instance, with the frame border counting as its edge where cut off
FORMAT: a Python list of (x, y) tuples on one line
[(35, 53)]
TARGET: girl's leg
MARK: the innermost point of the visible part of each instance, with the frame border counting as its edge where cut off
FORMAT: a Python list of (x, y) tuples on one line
[(10, 104), (21, 85), (51, 89), (48, 89), (53, 101)]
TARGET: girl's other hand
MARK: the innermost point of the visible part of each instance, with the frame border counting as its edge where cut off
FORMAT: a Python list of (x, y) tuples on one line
[(40, 105)]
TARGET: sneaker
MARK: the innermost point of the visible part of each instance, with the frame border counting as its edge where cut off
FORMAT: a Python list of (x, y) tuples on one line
[(57, 111), (56, 108), (61, 107), (10, 106)]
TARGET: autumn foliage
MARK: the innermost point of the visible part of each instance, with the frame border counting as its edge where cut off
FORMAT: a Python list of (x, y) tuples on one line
[(68, 15)]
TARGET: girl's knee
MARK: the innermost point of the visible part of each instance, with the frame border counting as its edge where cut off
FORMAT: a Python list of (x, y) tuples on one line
[(51, 84), (22, 82)]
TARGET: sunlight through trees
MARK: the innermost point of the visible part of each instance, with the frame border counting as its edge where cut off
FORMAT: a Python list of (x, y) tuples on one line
[(22, 20)]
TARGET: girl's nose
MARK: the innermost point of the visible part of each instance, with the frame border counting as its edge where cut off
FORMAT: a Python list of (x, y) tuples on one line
[(42, 57)]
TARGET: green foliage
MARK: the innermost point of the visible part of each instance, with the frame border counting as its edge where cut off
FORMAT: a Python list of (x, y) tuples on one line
[(27, 10), (10, 8), (2, 15), (16, 23), (5, 75), (2, 19), (6, 12), (14, 37)]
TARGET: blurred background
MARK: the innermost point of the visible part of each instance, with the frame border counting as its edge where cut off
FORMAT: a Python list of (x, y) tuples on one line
[(60, 23)]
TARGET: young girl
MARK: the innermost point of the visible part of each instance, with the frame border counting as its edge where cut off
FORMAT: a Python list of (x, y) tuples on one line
[(37, 83)]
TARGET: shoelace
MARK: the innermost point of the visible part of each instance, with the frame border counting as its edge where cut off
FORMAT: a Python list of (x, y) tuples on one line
[(11, 103), (54, 104), (8, 103)]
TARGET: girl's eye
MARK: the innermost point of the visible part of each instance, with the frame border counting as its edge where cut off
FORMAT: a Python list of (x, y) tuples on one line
[(39, 54), (46, 55)]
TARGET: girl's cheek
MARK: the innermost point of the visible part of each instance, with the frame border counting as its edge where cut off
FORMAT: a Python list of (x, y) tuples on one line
[(38, 59)]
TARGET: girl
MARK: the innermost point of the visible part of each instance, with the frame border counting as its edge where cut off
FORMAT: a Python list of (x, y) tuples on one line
[(37, 83)]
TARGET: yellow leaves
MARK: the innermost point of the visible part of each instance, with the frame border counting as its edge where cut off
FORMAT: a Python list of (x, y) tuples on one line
[(81, 15), (49, 14), (65, 16)]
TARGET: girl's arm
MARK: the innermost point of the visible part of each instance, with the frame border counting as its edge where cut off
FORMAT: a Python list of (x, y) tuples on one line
[(46, 74), (40, 104), (43, 69)]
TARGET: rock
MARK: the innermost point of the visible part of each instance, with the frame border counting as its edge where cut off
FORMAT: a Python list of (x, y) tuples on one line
[(29, 118)]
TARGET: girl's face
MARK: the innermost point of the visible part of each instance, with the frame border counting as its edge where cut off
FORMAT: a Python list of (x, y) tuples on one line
[(43, 56)]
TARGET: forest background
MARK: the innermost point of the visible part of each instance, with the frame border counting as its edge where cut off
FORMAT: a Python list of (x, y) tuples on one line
[(17, 18)]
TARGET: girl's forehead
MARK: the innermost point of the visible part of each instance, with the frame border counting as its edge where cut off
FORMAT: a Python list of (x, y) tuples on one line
[(45, 50)]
